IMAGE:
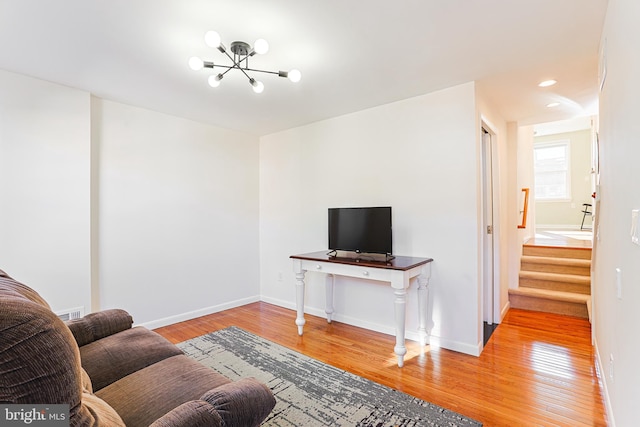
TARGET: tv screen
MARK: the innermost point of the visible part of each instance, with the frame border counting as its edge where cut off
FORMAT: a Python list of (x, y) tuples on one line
[(361, 230)]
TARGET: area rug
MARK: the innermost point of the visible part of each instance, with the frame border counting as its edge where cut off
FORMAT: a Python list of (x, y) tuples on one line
[(311, 393)]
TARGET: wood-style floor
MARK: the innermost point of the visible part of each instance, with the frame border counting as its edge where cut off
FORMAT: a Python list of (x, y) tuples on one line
[(563, 238), (537, 369)]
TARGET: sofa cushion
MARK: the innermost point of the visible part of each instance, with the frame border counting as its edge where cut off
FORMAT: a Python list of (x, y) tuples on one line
[(148, 394), (96, 412), (245, 402), (194, 413), (114, 357), (87, 387), (95, 326), (39, 360)]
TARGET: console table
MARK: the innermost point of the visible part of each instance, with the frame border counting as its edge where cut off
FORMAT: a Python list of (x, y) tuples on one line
[(398, 272)]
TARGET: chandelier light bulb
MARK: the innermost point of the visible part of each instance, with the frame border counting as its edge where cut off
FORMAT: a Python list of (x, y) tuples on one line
[(196, 63), (258, 87), (214, 81), (212, 39), (294, 75), (261, 46), (239, 53)]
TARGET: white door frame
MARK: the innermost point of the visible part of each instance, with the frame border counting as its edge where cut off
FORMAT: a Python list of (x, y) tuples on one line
[(490, 238)]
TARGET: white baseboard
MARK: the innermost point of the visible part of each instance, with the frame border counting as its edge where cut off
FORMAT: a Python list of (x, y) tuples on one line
[(279, 302), (460, 347), (506, 308), (198, 313), (607, 401), (319, 312), (434, 341), (571, 227)]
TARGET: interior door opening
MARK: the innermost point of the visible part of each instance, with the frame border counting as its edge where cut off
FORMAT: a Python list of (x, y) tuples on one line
[(490, 291)]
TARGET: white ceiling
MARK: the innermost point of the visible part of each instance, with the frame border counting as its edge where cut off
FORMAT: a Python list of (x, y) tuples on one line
[(353, 54)]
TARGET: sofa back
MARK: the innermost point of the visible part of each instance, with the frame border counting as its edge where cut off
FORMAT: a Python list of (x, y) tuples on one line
[(39, 357)]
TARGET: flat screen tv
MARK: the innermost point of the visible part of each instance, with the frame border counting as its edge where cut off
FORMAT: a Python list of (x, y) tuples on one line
[(360, 230)]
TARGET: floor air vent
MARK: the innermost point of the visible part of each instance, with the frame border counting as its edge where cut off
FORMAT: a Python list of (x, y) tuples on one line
[(70, 314)]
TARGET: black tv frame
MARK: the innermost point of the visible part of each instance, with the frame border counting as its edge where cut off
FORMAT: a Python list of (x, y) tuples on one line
[(374, 237)]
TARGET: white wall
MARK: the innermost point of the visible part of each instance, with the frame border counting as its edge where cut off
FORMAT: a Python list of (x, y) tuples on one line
[(417, 155), (514, 195), (178, 216), (616, 319), (526, 179), (106, 205), (44, 188)]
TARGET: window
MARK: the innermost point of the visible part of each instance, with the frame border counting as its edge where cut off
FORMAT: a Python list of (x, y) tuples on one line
[(551, 167)]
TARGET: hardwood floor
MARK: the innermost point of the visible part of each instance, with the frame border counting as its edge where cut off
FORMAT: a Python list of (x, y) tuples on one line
[(564, 238), (537, 368)]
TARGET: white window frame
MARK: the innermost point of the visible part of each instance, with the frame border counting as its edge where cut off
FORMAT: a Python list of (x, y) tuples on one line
[(567, 170)]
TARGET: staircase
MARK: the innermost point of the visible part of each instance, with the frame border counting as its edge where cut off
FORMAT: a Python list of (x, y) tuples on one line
[(554, 279)]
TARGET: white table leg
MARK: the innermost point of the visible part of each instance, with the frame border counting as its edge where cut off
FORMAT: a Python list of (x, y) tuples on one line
[(400, 306), (329, 303), (423, 299), (300, 300)]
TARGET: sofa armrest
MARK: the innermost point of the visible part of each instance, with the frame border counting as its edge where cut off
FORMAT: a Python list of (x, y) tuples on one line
[(95, 326), (196, 413), (245, 402)]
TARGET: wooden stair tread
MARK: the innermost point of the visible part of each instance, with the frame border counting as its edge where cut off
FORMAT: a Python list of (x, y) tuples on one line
[(552, 295), (557, 251), (555, 277), (574, 262), (530, 245)]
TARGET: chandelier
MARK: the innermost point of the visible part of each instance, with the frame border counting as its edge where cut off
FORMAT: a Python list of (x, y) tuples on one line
[(240, 61)]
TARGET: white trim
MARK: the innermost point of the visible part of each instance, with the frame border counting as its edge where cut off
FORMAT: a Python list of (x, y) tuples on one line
[(460, 347), (569, 227), (434, 341), (319, 312), (605, 391), (491, 126), (198, 313), (506, 308)]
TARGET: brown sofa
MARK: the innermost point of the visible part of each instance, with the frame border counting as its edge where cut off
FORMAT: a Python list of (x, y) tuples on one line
[(111, 374)]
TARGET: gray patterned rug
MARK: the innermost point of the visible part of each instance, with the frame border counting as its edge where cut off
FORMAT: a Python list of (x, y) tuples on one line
[(311, 393)]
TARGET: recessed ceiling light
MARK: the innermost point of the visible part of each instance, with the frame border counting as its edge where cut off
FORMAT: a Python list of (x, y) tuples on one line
[(547, 83), (553, 104)]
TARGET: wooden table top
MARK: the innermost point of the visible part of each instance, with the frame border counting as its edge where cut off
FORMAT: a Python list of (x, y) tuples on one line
[(397, 263)]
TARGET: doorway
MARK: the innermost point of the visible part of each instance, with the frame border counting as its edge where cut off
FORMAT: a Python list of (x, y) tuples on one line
[(490, 284), (563, 170)]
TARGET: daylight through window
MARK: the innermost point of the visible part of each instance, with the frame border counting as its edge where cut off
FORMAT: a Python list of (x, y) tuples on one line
[(551, 166)]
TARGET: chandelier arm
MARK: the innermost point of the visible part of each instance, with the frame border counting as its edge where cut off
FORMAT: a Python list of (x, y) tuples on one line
[(237, 65), (228, 69), (231, 67), (241, 53), (262, 71)]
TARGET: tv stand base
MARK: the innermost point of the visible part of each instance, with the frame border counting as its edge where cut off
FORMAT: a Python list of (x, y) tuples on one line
[(398, 272)]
